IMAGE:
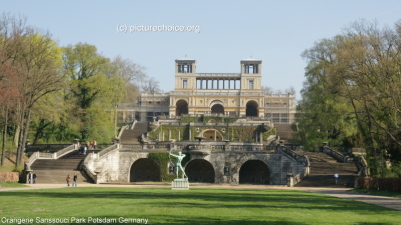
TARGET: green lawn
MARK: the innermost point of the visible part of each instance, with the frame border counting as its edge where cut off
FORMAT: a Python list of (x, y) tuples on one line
[(11, 184), (196, 206)]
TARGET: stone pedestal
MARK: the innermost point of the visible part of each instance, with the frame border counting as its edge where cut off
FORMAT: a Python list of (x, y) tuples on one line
[(290, 180), (180, 184)]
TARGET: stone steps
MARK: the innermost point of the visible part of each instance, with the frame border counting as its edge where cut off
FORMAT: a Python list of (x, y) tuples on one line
[(326, 181), (132, 136), (322, 170), (284, 131), (56, 170), (58, 176)]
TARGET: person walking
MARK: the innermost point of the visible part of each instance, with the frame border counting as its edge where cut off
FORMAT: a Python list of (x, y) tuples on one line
[(336, 178), (75, 180), (34, 178), (68, 179)]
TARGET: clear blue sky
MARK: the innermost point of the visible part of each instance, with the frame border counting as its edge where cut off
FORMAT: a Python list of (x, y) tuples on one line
[(276, 32)]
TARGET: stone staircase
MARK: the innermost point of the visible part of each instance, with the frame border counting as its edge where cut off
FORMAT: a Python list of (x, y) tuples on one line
[(323, 168), (56, 170), (132, 136), (284, 131)]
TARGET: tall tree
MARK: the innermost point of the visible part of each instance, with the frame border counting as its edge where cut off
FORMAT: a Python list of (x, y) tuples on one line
[(8, 94), (359, 73), (36, 58)]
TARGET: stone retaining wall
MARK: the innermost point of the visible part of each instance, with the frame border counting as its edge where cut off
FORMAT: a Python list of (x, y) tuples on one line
[(9, 177)]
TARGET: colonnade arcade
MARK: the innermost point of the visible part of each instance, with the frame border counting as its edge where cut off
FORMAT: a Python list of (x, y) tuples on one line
[(217, 107)]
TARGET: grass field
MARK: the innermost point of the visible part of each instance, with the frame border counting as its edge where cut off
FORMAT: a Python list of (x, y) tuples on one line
[(196, 206), (11, 184)]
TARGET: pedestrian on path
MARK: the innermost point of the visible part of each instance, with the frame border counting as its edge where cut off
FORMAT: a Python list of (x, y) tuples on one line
[(34, 178), (75, 180), (68, 179), (336, 178)]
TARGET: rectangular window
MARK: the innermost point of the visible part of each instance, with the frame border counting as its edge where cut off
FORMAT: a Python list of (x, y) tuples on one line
[(267, 115), (251, 68), (276, 120), (225, 84), (185, 84), (221, 84), (185, 68), (215, 84), (284, 115), (267, 103), (237, 84), (209, 84), (198, 84), (232, 83), (251, 84), (203, 84), (284, 120)]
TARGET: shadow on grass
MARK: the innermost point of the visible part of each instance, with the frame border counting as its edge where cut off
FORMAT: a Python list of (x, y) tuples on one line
[(206, 198)]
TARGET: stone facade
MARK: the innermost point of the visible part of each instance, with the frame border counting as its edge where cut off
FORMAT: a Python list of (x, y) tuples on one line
[(9, 177), (223, 94), (116, 166)]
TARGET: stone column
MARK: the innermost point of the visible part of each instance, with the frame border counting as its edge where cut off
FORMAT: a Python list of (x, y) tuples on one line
[(290, 180)]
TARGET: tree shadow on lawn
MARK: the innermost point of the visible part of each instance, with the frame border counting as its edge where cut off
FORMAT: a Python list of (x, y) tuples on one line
[(207, 198), (174, 220)]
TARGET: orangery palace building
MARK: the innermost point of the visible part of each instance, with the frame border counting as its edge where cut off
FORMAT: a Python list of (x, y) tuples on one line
[(223, 94)]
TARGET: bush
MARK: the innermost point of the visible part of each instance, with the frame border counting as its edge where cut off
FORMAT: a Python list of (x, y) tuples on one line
[(390, 184)]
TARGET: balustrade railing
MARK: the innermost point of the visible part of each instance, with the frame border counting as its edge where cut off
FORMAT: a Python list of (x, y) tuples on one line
[(362, 165), (108, 149), (189, 147), (300, 158), (45, 147), (85, 167), (43, 155), (334, 153), (64, 151)]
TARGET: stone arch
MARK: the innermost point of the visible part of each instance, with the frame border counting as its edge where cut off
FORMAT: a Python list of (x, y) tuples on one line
[(144, 169), (200, 170), (181, 107), (252, 108), (217, 107), (212, 135), (254, 171)]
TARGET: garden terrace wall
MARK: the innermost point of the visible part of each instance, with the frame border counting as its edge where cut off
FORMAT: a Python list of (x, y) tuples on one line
[(9, 177), (390, 184)]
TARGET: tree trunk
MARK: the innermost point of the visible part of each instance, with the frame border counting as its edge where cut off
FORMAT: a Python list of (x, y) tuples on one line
[(24, 138), (115, 121), (3, 152), (20, 149), (16, 135)]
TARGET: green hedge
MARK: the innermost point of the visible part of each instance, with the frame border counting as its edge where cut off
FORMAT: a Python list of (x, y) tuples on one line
[(190, 119), (230, 133), (162, 159), (389, 184)]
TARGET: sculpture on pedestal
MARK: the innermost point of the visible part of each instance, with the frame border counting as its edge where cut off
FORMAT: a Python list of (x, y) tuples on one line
[(178, 165)]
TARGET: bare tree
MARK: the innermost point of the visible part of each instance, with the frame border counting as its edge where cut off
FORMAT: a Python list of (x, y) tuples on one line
[(151, 86), (36, 58)]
